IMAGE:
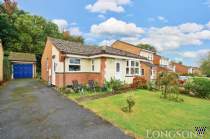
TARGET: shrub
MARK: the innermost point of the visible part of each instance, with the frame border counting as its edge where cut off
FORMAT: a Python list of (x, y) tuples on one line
[(130, 103), (198, 86), (139, 82), (151, 86), (166, 81), (114, 85)]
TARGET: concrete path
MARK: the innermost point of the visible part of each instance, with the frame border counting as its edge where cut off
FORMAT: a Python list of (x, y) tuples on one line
[(30, 110)]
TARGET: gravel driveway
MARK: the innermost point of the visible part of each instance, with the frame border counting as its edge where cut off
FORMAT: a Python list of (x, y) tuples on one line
[(30, 110)]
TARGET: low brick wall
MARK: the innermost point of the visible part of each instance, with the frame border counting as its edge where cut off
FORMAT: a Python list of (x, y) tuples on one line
[(81, 77)]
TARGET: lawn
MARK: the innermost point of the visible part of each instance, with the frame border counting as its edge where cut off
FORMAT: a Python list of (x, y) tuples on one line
[(151, 112)]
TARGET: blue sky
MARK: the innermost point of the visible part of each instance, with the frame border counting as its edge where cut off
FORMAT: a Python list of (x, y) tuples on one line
[(179, 29)]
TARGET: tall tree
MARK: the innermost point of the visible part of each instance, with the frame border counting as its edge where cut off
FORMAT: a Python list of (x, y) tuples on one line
[(10, 6), (205, 65), (22, 32), (147, 47)]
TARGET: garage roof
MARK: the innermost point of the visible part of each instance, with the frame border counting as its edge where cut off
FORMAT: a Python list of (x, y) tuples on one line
[(17, 56)]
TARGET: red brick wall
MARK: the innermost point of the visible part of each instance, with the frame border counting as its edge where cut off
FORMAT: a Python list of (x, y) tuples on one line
[(47, 55), (181, 68), (126, 47), (147, 71), (156, 59), (81, 77)]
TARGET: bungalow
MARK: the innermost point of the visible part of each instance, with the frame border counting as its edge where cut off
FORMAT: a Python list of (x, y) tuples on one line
[(64, 61), (1, 61)]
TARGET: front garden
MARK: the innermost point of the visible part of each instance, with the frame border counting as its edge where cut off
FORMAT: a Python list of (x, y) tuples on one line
[(152, 113), (140, 108)]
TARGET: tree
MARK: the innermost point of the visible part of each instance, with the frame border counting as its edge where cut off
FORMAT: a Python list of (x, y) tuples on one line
[(205, 65), (67, 36), (147, 47), (10, 6), (22, 32)]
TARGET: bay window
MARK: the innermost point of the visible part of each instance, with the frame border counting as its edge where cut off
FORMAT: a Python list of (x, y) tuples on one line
[(132, 68)]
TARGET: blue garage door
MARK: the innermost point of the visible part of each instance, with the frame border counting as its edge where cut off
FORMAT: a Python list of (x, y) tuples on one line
[(22, 71)]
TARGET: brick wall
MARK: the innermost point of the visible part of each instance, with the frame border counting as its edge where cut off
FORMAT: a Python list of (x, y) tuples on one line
[(126, 47), (147, 71), (47, 56), (156, 59), (181, 68)]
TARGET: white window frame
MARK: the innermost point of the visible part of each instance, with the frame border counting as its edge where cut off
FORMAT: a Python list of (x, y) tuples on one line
[(135, 66), (74, 64), (92, 65)]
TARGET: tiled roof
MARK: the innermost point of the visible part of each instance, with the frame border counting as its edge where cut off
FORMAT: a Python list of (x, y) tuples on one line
[(16, 56), (80, 49), (148, 64)]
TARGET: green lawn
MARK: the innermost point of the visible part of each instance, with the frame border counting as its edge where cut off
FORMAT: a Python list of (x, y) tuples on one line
[(151, 112)]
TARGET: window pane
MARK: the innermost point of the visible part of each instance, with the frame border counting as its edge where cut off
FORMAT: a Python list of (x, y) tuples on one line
[(117, 67), (142, 71), (127, 63), (74, 68), (136, 70), (132, 63), (137, 64), (75, 61), (132, 71), (93, 67), (127, 70)]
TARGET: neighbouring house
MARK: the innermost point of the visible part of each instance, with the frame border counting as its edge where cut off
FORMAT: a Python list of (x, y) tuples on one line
[(194, 70), (1, 61), (148, 69), (179, 68), (64, 61), (23, 65)]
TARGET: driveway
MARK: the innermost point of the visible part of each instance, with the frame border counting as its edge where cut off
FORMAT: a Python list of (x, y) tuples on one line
[(31, 110)]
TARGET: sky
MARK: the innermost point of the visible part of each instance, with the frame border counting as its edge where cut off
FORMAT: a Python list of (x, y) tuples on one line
[(179, 29)]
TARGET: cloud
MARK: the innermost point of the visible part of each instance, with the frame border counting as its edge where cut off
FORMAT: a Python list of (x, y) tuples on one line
[(75, 31), (102, 6), (73, 23), (116, 27), (106, 42), (161, 18), (167, 38), (61, 23), (101, 16), (190, 27), (173, 37), (207, 2), (195, 54), (158, 18)]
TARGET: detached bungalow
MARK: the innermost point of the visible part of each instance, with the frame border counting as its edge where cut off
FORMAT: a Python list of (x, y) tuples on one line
[(65, 61)]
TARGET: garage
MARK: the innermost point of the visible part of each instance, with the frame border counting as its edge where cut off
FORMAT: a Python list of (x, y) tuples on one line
[(23, 65), (23, 71)]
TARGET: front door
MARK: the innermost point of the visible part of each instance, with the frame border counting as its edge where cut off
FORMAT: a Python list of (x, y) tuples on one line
[(118, 71)]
